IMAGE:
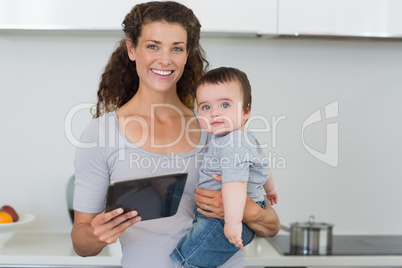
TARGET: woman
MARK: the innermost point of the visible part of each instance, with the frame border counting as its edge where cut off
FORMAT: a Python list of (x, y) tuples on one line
[(144, 112)]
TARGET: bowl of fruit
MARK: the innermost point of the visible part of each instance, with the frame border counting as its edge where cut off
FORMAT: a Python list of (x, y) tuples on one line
[(11, 221)]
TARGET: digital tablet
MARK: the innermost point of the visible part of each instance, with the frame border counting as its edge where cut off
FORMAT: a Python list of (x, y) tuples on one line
[(153, 197)]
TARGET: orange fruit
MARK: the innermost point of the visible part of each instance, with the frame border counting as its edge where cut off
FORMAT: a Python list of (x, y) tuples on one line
[(10, 210), (5, 217)]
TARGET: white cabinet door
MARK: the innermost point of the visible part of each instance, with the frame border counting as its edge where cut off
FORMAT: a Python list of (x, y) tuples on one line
[(380, 18), (220, 16), (64, 14), (236, 16)]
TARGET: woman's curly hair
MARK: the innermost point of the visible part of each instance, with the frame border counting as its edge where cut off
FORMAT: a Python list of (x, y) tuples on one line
[(120, 80)]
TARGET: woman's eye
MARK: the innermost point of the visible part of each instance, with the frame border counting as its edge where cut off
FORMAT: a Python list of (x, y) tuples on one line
[(206, 108), (177, 49), (225, 105), (152, 47)]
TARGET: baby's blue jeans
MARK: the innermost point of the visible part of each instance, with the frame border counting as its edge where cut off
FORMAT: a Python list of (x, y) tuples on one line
[(206, 244)]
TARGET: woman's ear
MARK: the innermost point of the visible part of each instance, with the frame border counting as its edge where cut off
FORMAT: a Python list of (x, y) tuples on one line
[(130, 49)]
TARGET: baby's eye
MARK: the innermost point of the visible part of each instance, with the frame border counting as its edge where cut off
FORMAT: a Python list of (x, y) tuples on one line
[(205, 107), (225, 105)]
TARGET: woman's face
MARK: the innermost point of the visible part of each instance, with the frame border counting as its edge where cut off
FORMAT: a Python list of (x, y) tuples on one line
[(160, 55)]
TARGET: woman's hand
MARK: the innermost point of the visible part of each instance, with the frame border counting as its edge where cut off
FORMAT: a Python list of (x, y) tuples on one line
[(264, 222), (210, 201), (92, 232), (211, 205), (108, 227)]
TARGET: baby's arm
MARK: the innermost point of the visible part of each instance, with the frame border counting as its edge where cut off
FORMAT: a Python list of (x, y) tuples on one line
[(269, 188), (234, 196)]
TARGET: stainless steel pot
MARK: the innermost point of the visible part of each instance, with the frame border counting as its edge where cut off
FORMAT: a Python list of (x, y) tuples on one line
[(310, 238)]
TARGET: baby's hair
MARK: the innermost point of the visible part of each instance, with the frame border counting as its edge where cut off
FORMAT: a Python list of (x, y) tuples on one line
[(226, 75)]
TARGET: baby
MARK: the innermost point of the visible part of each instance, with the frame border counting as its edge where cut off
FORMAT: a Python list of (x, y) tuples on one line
[(224, 105)]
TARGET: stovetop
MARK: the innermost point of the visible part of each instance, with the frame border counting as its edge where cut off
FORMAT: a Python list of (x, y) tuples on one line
[(344, 245)]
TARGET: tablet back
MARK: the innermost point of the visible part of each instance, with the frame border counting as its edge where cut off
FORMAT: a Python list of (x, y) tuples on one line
[(153, 197)]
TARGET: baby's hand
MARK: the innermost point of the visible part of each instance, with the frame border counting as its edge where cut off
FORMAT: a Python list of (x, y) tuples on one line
[(233, 234), (272, 197)]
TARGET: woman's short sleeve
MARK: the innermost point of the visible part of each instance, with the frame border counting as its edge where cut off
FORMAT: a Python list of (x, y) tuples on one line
[(91, 169)]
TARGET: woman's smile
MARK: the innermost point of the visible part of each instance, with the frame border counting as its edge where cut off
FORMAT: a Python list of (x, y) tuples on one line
[(162, 72)]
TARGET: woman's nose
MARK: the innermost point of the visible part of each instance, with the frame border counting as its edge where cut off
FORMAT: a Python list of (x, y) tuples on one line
[(164, 58)]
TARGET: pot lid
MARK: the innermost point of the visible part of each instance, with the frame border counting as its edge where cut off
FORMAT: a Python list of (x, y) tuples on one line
[(312, 224)]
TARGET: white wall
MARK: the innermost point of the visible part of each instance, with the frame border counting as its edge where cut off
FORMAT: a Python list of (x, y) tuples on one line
[(42, 76)]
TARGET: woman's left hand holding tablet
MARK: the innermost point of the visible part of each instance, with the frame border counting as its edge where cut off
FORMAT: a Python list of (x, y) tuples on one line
[(108, 227)]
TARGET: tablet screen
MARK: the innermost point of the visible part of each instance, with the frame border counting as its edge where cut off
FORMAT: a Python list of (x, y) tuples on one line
[(153, 197)]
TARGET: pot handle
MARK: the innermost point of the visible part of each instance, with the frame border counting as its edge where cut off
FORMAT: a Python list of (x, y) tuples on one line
[(311, 219), (285, 228)]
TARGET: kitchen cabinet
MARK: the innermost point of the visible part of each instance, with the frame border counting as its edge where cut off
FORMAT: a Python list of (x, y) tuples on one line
[(224, 16), (228, 16), (375, 18), (63, 15)]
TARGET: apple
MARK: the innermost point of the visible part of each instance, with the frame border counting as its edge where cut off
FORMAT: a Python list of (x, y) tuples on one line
[(11, 211)]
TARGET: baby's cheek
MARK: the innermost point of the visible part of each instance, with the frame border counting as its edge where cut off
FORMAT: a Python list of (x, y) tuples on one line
[(204, 123), (205, 126)]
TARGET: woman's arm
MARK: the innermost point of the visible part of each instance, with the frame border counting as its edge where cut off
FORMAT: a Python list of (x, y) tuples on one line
[(92, 232), (264, 222)]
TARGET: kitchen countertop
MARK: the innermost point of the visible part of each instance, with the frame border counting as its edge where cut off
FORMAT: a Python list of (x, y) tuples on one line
[(260, 253), (55, 250)]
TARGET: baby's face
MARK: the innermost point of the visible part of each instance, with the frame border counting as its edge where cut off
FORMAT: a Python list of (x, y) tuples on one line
[(220, 108)]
